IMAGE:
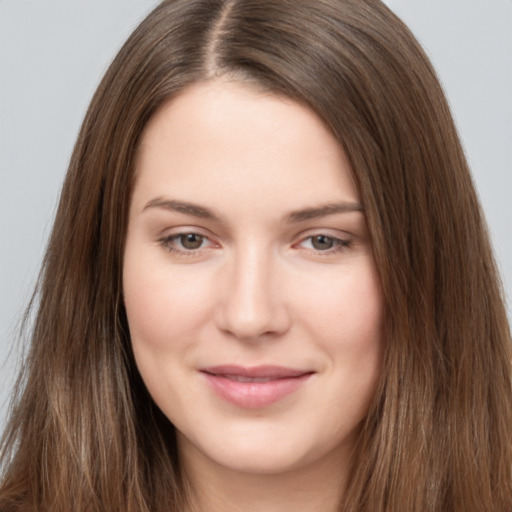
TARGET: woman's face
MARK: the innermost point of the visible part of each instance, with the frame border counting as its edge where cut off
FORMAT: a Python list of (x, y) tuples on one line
[(253, 302)]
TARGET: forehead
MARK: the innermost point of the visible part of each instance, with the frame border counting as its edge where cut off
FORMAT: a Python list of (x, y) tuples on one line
[(220, 138)]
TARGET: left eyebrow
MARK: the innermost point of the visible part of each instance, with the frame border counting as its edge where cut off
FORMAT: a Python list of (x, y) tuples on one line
[(322, 211)]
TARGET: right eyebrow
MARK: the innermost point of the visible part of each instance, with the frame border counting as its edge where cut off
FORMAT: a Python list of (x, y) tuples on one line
[(192, 209)]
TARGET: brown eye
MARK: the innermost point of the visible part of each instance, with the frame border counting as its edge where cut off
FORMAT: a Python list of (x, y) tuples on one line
[(322, 242), (191, 241)]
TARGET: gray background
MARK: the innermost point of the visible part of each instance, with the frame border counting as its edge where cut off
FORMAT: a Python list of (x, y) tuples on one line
[(53, 53)]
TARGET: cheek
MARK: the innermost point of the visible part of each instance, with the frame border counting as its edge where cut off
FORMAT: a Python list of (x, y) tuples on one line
[(161, 305), (345, 319), (164, 317), (346, 309)]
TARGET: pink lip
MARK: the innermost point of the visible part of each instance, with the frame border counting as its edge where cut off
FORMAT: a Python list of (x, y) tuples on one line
[(254, 387)]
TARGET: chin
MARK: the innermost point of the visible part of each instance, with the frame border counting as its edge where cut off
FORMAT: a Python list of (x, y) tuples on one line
[(265, 451)]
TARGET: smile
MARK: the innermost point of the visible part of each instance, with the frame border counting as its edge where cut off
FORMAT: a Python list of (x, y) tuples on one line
[(254, 387)]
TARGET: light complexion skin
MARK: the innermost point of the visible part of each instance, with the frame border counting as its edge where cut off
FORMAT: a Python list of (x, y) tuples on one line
[(254, 305)]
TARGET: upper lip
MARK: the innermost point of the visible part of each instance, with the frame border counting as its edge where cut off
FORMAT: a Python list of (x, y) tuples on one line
[(255, 372)]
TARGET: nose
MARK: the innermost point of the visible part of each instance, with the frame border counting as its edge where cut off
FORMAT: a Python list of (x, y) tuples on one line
[(251, 305)]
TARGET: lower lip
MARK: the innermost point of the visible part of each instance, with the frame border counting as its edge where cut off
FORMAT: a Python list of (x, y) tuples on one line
[(254, 395)]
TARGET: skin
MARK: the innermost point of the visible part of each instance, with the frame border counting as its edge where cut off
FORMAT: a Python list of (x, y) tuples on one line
[(253, 285)]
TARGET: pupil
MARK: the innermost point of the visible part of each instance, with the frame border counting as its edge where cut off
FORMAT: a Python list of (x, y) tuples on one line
[(322, 242), (191, 241)]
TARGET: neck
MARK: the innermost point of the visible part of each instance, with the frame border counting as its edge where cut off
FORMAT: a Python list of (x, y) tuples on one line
[(214, 488)]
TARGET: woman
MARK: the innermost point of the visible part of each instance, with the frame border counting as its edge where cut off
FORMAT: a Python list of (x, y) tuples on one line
[(269, 284)]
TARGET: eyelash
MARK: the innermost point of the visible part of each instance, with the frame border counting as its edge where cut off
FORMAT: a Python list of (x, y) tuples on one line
[(339, 244)]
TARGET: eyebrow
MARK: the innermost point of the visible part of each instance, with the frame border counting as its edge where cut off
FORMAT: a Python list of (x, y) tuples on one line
[(295, 216), (192, 209), (323, 211)]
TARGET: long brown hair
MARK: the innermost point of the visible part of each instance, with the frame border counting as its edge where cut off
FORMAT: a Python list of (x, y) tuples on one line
[(84, 433)]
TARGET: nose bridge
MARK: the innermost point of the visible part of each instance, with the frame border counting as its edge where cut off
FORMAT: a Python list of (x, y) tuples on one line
[(252, 304)]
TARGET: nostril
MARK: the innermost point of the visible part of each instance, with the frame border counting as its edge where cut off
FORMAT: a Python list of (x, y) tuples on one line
[(247, 322)]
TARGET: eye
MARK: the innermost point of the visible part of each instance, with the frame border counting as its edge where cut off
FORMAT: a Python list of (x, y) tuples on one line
[(191, 241), (185, 242), (324, 243)]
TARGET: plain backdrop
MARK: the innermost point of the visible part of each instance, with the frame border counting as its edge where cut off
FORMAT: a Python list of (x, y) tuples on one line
[(53, 53)]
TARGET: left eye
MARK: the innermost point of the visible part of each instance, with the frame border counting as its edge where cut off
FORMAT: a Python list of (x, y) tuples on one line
[(324, 243)]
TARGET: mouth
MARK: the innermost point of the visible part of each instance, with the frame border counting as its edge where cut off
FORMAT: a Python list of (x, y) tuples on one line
[(254, 387)]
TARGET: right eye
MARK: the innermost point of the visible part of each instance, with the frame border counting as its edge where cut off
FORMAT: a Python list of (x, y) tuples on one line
[(189, 242)]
